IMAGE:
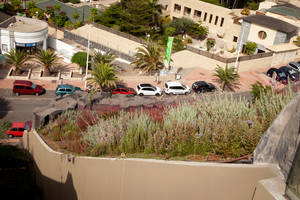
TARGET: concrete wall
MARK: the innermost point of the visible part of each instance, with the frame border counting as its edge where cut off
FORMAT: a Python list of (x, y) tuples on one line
[(105, 178), (253, 35)]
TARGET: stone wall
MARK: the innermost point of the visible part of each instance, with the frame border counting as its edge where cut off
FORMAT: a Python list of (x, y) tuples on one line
[(83, 41)]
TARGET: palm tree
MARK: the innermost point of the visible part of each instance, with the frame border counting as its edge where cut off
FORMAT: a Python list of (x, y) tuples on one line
[(103, 75), (16, 58), (107, 57), (150, 57), (156, 10), (228, 76), (47, 58)]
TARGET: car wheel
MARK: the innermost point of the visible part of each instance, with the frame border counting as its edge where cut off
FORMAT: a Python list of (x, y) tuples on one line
[(157, 94), (198, 91), (269, 75), (37, 94), (10, 136), (17, 93), (59, 95), (171, 93), (141, 94)]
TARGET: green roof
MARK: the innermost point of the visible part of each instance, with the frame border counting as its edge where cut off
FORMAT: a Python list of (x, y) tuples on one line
[(68, 9), (286, 11)]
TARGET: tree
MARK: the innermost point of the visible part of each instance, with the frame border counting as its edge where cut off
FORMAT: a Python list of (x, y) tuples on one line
[(245, 11), (103, 75), (150, 57), (94, 13), (250, 47), (16, 4), (228, 76), (68, 24), (258, 89), (113, 15), (156, 11), (47, 59), (32, 12), (30, 5), (107, 57), (75, 16), (80, 59), (181, 25), (198, 31), (210, 43), (16, 58)]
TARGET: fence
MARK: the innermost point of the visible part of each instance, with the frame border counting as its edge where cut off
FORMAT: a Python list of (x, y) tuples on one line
[(228, 60), (83, 41)]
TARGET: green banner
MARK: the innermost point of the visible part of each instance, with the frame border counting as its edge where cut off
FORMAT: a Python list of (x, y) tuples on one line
[(168, 53)]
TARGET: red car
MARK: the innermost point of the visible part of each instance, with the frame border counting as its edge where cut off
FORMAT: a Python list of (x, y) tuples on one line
[(17, 129), (121, 89)]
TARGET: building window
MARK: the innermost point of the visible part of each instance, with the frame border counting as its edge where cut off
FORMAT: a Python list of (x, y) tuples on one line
[(262, 35), (216, 20), (235, 38), (187, 11), (4, 47), (222, 21), (210, 18), (177, 8), (205, 15), (166, 7)]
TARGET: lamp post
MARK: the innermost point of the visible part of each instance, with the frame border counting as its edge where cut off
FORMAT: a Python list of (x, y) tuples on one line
[(37, 14), (87, 57), (241, 42), (148, 36)]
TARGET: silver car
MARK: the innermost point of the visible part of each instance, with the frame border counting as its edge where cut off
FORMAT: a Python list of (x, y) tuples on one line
[(295, 66)]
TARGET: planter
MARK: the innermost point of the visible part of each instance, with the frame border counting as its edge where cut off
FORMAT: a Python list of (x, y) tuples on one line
[(51, 77), (24, 76)]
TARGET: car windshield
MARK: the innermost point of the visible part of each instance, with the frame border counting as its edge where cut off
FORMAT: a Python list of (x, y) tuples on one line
[(183, 86), (282, 74), (153, 87), (292, 72), (195, 85), (126, 88), (27, 127), (33, 85), (72, 87)]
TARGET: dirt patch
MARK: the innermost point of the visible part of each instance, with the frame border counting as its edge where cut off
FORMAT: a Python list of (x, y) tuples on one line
[(52, 74), (23, 73), (54, 145)]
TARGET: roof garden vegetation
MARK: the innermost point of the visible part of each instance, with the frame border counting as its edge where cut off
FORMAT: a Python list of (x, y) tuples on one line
[(198, 128)]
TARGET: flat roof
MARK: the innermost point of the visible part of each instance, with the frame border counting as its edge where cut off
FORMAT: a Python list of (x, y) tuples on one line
[(282, 47), (23, 24)]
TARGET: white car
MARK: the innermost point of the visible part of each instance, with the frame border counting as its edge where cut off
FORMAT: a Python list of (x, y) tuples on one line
[(295, 66), (148, 89), (176, 87)]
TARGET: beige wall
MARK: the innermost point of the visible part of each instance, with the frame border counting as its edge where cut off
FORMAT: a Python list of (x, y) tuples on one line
[(283, 57), (233, 30), (188, 59), (253, 35), (105, 178)]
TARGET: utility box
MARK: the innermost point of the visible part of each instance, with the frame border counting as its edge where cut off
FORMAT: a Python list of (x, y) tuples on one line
[(177, 76)]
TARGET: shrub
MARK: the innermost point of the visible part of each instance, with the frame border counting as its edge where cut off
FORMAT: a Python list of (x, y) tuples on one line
[(251, 47)]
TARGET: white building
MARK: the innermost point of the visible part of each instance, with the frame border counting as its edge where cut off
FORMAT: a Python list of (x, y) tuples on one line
[(24, 34)]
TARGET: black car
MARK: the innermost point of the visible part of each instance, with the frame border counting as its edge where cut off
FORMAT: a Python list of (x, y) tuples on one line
[(281, 76), (202, 86), (293, 75)]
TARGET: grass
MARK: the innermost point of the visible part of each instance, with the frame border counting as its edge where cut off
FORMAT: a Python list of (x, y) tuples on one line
[(194, 130)]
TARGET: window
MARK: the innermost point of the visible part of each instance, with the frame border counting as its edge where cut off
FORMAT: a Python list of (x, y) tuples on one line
[(222, 21), (235, 39), (262, 35), (22, 129), (123, 90), (205, 15), (14, 129), (21, 87), (166, 7), (28, 88), (197, 13), (68, 90), (62, 89), (210, 18), (216, 20), (4, 47), (118, 90), (177, 8)]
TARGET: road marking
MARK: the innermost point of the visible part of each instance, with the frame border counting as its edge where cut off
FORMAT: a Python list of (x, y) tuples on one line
[(161, 96)]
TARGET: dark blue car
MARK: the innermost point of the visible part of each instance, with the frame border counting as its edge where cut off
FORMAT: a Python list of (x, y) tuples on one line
[(281, 76), (293, 75), (62, 90)]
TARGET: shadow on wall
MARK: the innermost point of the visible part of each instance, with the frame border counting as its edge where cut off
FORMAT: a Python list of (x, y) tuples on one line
[(46, 184)]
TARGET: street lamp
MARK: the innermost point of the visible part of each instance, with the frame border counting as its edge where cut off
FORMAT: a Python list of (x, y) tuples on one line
[(37, 14), (241, 42), (87, 57), (148, 36)]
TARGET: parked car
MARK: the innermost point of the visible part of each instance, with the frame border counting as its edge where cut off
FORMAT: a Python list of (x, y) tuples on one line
[(148, 89), (17, 129), (202, 86), (293, 75), (175, 87), (295, 66), (62, 90), (281, 76), (27, 87), (121, 89)]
